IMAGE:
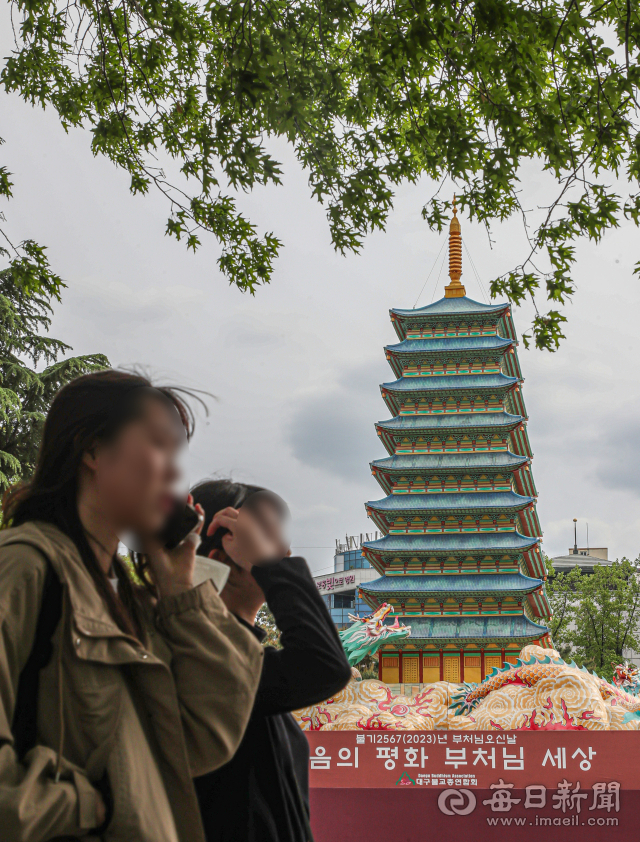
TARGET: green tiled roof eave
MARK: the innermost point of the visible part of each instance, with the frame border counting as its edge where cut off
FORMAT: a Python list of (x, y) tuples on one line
[(477, 460), (450, 383), (451, 307), (540, 603), (499, 501), (452, 343), (511, 366), (443, 543), (459, 421), (520, 440), (515, 626), (478, 542), (458, 583)]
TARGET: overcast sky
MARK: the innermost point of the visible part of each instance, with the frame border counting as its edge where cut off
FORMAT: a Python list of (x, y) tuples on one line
[(297, 367)]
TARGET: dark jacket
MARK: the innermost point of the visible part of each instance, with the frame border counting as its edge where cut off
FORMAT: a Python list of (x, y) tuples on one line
[(262, 794)]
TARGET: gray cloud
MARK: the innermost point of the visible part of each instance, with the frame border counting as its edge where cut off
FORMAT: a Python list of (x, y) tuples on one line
[(618, 455), (335, 430)]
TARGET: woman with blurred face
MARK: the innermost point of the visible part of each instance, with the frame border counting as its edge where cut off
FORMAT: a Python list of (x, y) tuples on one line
[(262, 794), (115, 689)]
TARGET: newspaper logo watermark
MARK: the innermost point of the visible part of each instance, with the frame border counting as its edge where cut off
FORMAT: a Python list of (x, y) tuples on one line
[(456, 802)]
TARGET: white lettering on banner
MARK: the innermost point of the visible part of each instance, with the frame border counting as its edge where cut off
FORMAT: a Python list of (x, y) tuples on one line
[(456, 757), (479, 738), (335, 582), (432, 738), (411, 757), (345, 754), (584, 763), (319, 760), (435, 779), (512, 761), (480, 756), (388, 755), (559, 759)]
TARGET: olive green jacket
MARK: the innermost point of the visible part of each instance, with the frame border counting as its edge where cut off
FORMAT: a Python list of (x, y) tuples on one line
[(150, 718)]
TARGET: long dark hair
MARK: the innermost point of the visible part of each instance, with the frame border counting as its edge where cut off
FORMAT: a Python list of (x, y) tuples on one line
[(88, 410), (217, 494)]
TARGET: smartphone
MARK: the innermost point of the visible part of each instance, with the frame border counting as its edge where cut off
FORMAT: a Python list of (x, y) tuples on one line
[(183, 521)]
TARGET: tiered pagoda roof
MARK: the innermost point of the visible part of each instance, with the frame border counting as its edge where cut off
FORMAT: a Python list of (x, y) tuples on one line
[(470, 584), (434, 545), (518, 629), (459, 558)]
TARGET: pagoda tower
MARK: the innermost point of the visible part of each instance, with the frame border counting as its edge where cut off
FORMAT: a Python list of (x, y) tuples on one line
[(459, 558)]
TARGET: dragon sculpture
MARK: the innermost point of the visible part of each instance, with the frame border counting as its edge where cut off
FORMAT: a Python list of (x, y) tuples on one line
[(528, 673), (367, 634), (627, 677), (539, 691)]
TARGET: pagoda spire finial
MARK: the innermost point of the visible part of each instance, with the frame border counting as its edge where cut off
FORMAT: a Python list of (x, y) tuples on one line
[(455, 289)]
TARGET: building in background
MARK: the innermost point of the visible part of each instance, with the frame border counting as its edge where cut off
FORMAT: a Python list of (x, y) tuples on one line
[(586, 561), (459, 558), (340, 586), (594, 552), (585, 558)]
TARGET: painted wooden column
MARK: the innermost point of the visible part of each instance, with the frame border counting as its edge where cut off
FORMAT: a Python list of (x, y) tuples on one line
[(502, 652), (441, 666), (462, 665), (400, 676), (421, 667), (482, 665), (380, 665)]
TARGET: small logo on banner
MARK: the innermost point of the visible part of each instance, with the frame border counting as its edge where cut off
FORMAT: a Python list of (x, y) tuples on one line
[(405, 780), (456, 802)]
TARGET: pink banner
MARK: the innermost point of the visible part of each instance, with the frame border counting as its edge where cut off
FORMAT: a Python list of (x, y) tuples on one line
[(568, 784)]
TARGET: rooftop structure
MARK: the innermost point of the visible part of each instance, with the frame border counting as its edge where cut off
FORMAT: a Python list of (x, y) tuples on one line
[(585, 561), (459, 556), (339, 585), (583, 557)]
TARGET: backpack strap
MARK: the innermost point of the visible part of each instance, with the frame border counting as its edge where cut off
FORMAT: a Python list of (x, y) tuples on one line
[(25, 726)]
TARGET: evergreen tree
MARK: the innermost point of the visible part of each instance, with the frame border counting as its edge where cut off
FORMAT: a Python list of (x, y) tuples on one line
[(31, 368)]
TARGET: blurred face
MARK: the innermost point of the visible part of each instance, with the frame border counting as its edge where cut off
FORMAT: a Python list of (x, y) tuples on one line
[(134, 477), (270, 519)]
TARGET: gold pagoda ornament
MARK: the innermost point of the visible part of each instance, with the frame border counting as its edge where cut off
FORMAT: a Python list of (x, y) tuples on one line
[(455, 289)]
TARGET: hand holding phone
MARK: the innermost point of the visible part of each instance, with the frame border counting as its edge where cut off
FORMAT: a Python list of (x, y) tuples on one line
[(172, 564), (183, 521)]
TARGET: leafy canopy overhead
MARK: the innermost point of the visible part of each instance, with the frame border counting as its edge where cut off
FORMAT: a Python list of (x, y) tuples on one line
[(31, 371), (368, 94)]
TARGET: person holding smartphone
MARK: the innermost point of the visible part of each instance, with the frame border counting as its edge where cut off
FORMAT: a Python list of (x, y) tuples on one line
[(262, 794), (115, 688)]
